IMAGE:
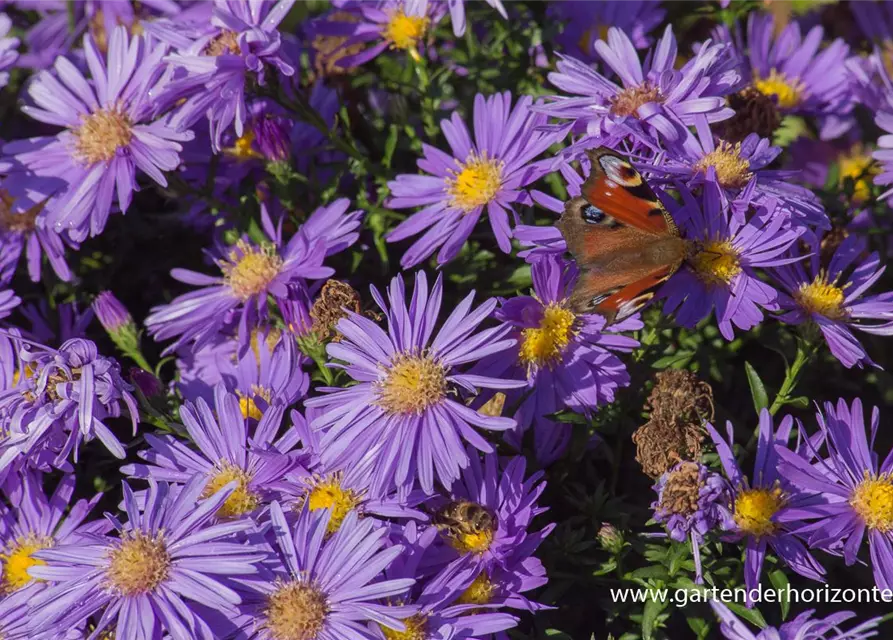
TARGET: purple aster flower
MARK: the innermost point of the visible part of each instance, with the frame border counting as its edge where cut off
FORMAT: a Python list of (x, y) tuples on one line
[(323, 587), (242, 40), (501, 555), (790, 68), (491, 170), (587, 22), (443, 603), (407, 381), (250, 273), (803, 627), (16, 619), (457, 13), (764, 509), (384, 24), (55, 326), (8, 49), (24, 228), (343, 490), (171, 552), (8, 301), (720, 272), (884, 153), (231, 448), (262, 369), (566, 358), (691, 502), (735, 168), (109, 133), (855, 490), (834, 299), (37, 522), (61, 399), (654, 101)]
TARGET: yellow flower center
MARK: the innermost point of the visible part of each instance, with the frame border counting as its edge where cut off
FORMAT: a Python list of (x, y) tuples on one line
[(478, 592), (242, 500), (411, 385), (585, 43), (544, 345), (859, 167), (476, 183), (873, 501), (788, 91), (403, 31), (138, 564), (16, 561), (754, 509), (732, 170), (416, 629), (17, 221), (628, 101), (101, 134), (822, 297), (329, 494), (243, 148), (716, 262), (247, 404), (295, 611), (250, 269)]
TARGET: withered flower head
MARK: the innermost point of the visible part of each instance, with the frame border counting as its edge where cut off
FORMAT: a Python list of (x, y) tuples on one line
[(679, 405), (332, 304), (682, 489), (755, 112), (327, 50)]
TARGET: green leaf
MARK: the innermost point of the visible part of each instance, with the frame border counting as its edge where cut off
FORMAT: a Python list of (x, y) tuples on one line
[(390, 145), (645, 573), (757, 388), (800, 402), (675, 361), (559, 635), (649, 617), (753, 616), (780, 581)]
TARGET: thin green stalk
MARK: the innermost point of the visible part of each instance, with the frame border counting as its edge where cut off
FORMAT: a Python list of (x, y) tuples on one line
[(805, 352)]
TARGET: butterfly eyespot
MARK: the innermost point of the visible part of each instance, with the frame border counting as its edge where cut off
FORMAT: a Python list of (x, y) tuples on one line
[(592, 214)]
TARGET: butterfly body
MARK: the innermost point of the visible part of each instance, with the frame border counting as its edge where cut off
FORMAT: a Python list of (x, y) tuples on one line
[(624, 240)]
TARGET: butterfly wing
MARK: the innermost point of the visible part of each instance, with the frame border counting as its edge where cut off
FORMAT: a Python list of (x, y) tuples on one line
[(618, 189), (593, 293), (624, 240)]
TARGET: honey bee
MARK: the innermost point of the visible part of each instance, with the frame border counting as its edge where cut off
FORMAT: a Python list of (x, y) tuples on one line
[(462, 518)]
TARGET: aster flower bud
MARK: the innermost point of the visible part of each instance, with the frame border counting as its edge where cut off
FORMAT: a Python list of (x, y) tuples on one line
[(272, 137), (112, 314), (610, 538), (147, 383)]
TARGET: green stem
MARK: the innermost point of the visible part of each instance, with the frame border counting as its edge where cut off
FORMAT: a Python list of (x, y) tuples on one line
[(140, 359), (805, 351)]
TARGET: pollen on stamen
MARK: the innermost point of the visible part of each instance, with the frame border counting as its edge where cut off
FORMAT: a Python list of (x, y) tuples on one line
[(628, 101), (872, 500), (822, 297), (101, 134), (18, 558), (248, 270), (715, 262), (755, 508), (478, 592), (788, 91), (138, 564), (544, 345), (242, 500), (732, 171), (416, 629), (475, 183), (248, 405), (412, 384), (471, 541), (405, 32), (328, 493), (295, 611)]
